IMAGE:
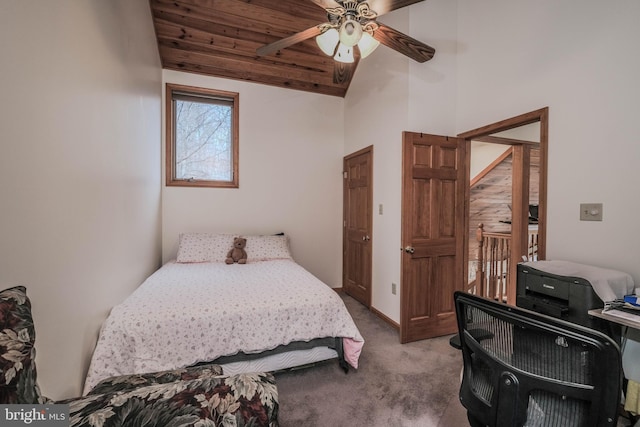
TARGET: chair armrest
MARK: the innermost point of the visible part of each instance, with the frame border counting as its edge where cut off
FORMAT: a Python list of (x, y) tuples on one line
[(243, 399), (478, 334), (128, 382)]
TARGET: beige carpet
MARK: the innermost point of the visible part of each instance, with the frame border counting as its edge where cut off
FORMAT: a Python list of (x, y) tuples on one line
[(397, 385), (413, 384)]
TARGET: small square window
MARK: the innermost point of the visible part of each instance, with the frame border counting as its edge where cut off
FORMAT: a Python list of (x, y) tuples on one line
[(202, 137)]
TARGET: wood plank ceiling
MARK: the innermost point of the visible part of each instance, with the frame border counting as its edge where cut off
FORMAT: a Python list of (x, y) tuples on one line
[(220, 38)]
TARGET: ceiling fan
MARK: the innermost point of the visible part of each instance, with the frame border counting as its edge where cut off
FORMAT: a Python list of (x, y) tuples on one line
[(353, 23)]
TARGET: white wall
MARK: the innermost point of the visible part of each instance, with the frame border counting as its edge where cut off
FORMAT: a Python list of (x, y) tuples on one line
[(516, 57), (79, 169), (291, 149), (482, 155), (376, 114), (433, 84), (80, 176), (391, 94), (493, 61)]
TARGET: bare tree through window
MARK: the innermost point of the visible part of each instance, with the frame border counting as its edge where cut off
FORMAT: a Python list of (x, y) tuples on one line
[(201, 137)]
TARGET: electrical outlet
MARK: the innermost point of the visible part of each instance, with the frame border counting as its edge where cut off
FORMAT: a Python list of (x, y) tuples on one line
[(393, 288), (590, 211)]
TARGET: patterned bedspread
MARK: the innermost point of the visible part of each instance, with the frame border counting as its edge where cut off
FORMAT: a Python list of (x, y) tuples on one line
[(188, 313)]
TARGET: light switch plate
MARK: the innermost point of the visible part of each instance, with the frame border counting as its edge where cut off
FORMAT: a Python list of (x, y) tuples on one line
[(590, 211)]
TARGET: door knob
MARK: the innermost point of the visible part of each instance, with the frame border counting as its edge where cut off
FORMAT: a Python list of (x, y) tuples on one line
[(409, 249), (366, 238)]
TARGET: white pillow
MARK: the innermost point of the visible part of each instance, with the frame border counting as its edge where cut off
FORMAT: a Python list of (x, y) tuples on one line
[(263, 247), (204, 247)]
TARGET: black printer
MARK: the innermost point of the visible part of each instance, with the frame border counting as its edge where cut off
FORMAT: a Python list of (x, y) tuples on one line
[(564, 297)]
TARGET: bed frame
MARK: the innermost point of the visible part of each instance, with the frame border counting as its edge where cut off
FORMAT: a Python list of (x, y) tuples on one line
[(240, 359)]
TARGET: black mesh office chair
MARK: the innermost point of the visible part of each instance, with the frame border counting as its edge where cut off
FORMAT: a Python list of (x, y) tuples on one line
[(523, 368)]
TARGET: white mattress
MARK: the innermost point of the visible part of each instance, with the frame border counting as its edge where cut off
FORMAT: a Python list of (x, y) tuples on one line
[(189, 313), (275, 362)]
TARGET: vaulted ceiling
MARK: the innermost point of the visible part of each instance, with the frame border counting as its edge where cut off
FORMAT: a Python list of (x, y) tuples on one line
[(220, 37)]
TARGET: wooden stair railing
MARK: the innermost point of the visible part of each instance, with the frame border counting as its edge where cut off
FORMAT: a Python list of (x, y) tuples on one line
[(493, 278), (532, 246)]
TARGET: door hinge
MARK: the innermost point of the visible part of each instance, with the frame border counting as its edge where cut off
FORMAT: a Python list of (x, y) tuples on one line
[(345, 174)]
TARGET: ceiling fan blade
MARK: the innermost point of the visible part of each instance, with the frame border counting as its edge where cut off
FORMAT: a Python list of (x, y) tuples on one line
[(325, 4), (404, 44), (288, 41), (385, 6)]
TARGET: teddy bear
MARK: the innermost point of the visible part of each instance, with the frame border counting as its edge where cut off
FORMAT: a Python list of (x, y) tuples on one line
[(237, 254)]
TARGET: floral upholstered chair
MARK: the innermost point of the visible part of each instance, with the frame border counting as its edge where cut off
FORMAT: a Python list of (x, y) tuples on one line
[(195, 396)]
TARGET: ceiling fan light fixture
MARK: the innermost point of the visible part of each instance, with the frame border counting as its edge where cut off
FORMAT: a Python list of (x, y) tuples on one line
[(367, 45), (344, 54), (350, 32), (328, 41)]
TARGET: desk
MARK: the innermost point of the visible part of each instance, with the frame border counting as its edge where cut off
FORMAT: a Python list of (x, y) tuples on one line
[(625, 319), (629, 356)]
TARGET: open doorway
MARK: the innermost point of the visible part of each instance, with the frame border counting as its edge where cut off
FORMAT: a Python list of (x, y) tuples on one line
[(506, 220), (436, 225)]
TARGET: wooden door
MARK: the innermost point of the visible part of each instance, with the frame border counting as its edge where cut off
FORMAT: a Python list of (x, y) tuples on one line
[(358, 195), (521, 169), (433, 234)]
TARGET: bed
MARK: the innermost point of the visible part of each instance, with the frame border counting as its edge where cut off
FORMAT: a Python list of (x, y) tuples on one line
[(265, 315)]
